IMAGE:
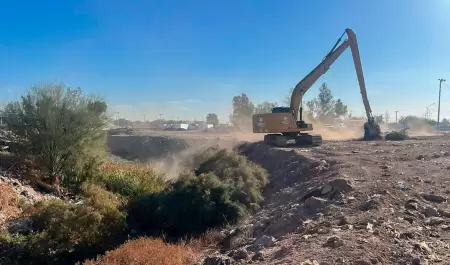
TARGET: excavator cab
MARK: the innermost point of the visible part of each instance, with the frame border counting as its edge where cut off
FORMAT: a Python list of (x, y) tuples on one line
[(301, 124)]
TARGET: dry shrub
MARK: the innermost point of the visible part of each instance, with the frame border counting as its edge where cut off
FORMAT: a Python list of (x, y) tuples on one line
[(209, 240), (9, 202), (131, 180), (147, 251)]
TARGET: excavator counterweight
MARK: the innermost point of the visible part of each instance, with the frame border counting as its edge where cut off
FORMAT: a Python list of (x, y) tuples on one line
[(285, 125)]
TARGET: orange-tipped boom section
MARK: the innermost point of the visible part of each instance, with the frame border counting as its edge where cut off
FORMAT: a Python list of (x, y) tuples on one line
[(287, 123)]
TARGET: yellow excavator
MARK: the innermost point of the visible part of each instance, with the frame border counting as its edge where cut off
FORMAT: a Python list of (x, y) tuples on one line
[(285, 125)]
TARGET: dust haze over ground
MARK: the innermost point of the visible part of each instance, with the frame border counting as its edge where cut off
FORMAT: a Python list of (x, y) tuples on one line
[(345, 202), (171, 152)]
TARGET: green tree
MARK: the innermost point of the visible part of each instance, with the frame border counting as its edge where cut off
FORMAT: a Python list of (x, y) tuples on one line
[(340, 109), (445, 122), (242, 110), (211, 118), (323, 106), (61, 128), (265, 107)]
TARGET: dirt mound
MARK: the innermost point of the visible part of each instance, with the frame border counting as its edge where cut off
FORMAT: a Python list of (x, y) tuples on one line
[(349, 203)]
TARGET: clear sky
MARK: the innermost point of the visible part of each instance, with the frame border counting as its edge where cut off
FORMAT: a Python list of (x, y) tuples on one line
[(187, 58)]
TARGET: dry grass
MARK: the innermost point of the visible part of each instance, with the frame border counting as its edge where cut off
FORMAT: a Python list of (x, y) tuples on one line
[(147, 251), (9, 201), (208, 240)]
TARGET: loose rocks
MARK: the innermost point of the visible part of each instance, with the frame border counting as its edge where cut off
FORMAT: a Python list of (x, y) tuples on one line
[(434, 198), (334, 242), (265, 241)]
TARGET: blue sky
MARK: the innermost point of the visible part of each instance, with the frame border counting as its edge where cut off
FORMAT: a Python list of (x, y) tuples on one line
[(187, 58)]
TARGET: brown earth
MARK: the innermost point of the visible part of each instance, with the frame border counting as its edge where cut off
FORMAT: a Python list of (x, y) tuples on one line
[(345, 202), (350, 202)]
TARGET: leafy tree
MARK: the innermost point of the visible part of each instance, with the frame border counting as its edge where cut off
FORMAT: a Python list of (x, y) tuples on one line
[(212, 119), (62, 129), (265, 107), (323, 107), (242, 110), (445, 122), (340, 109)]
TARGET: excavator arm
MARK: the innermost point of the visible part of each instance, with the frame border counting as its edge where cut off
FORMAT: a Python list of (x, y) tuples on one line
[(285, 125), (305, 84)]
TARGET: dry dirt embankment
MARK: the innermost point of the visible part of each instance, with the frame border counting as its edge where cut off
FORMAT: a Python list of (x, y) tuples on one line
[(350, 203), (347, 202)]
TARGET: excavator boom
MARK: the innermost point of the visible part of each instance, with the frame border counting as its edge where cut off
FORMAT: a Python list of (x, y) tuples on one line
[(306, 83)]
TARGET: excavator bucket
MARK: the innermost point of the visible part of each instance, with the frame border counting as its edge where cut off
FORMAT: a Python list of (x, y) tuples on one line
[(372, 131)]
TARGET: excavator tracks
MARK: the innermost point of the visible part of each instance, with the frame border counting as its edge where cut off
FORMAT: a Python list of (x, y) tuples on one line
[(304, 139)]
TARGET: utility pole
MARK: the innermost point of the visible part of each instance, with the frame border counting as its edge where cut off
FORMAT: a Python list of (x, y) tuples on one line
[(144, 116), (396, 117), (439, 103)]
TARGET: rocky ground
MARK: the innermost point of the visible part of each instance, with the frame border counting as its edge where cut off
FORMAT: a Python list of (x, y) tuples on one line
[(348, 202), (345, 202)]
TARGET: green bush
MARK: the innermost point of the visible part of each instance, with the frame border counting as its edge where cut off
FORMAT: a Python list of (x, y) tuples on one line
[(62, 130), (131, 180), (191, 207), (247, 178), (223, 188)]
